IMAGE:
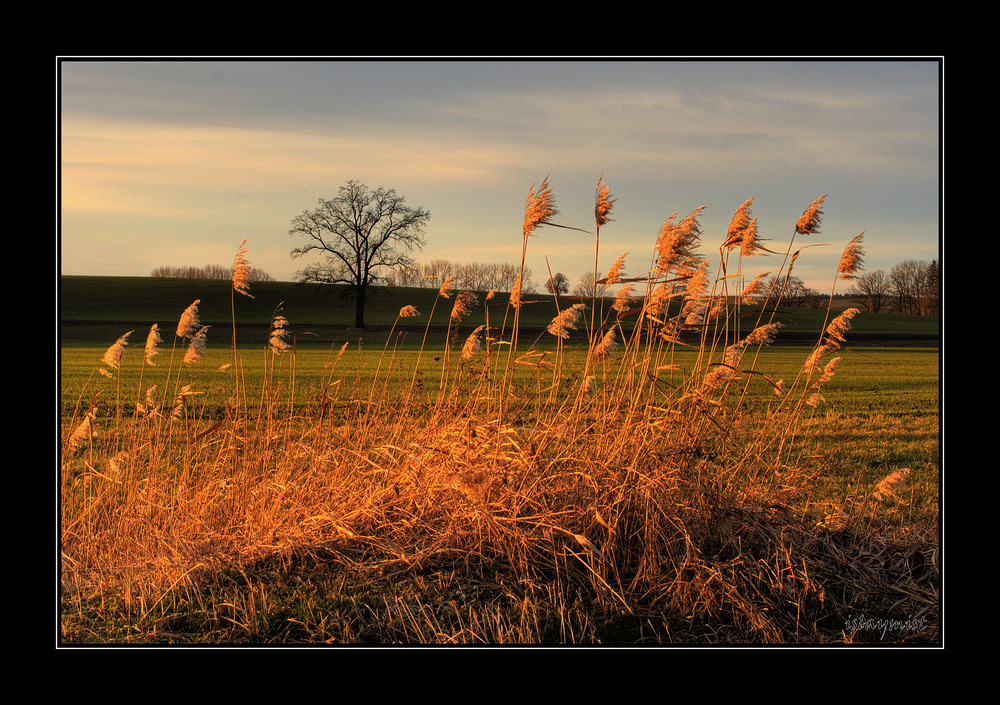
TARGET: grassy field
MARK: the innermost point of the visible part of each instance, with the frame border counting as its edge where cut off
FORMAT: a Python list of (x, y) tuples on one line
[(380, 487)]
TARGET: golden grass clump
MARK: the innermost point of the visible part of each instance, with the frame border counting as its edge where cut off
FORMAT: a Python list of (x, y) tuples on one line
[(641, 482)]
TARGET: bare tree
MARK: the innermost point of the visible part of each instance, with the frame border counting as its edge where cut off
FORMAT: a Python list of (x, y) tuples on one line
[(363, 235), (437, 271), (871, 290), (411, 275), (558, 284), (932, 306), (912, 284), (585, 287)]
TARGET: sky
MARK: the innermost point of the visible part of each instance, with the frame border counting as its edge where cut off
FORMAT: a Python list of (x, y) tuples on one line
[(171, 162)]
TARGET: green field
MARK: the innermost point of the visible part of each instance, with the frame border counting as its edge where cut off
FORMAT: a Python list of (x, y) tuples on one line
[(891, 366), (99, 309)]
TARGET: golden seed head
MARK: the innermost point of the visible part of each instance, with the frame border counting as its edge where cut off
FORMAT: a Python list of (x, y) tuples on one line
[(114, 355), (464, 302), (189, 323), (604, 204), (196, 348), (566, 321), (241, 271), (540, 207), (852, 259), (616, 271), (809, 221), (152, 341)]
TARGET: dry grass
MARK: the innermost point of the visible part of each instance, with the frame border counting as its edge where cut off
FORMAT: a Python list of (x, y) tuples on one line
[(630, 501)]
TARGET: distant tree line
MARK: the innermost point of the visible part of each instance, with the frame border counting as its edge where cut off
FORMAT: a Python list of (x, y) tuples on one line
[(210, 271), (475, 276), (912, 288)]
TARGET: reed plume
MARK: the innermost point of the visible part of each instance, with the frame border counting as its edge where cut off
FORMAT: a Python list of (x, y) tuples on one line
[(472, 344), (277, 341), (408, 312), (180, 401), (892, 484), (617, 271), (114, 355), (828, 371), (657, 300), (603, 203), (852, 259), (816, 358), (189, 323), (152, 342), (149, 409), (515, 293), (725, 371), (622, 299), (196, 348), (763, 335), (677, 241), (566, 321), (464, 301), (756, 289), (83, 433), (605, 349), (834, 338), (539, 208), (241, 271), (697, 280), (840, 325), (742, 231), (809, 221)]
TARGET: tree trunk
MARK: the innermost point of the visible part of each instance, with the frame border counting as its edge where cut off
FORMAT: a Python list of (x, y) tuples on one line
[(360, 294)]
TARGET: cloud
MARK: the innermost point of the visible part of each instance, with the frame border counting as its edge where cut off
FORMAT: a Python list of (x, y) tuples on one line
[(201, 154)]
